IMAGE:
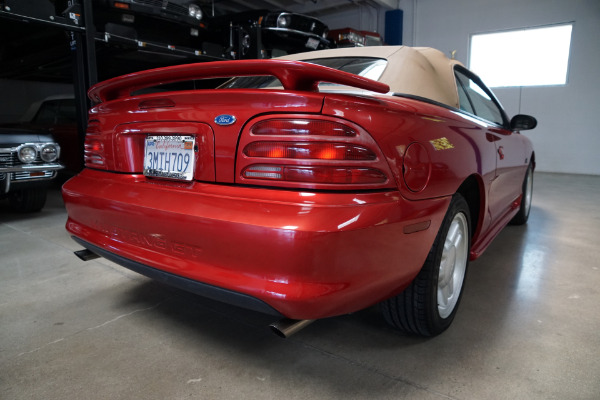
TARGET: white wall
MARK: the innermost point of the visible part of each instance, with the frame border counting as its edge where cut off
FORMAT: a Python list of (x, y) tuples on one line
[(567, 138)]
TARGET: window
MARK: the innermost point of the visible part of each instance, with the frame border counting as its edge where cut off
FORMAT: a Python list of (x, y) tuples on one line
[(67, 112), (524, 57), (463, 99), (56, 112), (474, 99), (47, 112), (371, 68)]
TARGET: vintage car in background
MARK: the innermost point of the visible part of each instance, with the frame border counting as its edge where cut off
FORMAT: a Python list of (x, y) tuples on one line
[(28, 163), (172, 22), (306, 187), (57, 116), (349, 37), (266, 34)]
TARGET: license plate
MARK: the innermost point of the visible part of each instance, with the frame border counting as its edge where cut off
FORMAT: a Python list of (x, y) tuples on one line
[(170, 157), (312, 43)]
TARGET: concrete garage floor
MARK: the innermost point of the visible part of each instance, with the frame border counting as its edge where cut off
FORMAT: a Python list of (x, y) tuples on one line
[(528, 326)]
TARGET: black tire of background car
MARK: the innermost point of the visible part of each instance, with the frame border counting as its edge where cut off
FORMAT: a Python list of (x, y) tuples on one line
[(415, 310), (28, 200), (523, 214)]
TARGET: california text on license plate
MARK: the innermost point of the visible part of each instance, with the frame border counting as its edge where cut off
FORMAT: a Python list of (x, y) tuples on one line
[(170, 157)]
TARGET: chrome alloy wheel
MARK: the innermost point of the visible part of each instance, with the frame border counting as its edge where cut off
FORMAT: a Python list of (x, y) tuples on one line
[(453, 265)]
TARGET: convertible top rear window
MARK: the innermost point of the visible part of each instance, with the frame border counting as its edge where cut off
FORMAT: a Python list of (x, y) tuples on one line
[(368, 67)]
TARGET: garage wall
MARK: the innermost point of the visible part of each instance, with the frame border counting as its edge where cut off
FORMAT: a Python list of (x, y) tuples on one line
[(17, 96), (567, 138)]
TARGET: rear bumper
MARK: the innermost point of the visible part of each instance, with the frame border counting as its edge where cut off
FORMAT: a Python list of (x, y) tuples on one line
[(212, 292), (303, 255)]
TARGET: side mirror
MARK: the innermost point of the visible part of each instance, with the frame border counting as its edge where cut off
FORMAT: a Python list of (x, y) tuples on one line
[(522, 122)]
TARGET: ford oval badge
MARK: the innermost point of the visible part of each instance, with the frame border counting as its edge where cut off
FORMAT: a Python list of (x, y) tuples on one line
[(224, 119)]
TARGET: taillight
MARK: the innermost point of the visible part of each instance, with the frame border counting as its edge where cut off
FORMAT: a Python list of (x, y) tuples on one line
[(319, 153), (93, 154), (122, 6), (288, 126), (309, 151), (317, 174)]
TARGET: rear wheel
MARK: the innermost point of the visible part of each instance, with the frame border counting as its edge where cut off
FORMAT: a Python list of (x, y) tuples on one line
[(28, 200), (428, 305), (523, 214)]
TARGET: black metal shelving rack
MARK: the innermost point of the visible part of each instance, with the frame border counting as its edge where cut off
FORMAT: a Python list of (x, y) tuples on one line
[(77, 20)]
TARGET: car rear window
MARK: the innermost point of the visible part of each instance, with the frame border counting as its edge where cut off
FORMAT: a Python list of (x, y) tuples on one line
[(367, 67)]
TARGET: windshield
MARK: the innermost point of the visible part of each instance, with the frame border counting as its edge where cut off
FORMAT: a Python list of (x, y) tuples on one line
[(56, 112), (367, 67)]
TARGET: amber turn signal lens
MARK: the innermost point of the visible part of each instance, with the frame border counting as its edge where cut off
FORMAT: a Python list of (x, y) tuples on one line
[(122, 6)]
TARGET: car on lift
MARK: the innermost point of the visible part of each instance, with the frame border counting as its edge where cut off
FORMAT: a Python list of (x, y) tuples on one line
[(350, 37), (28, 163), (169, 22), (266, 34), (307, 187)]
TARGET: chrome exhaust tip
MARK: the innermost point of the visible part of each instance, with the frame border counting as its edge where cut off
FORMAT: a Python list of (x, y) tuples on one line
[(287, 327)]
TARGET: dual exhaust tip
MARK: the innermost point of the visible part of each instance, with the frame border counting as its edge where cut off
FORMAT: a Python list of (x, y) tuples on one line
[(283, 328)]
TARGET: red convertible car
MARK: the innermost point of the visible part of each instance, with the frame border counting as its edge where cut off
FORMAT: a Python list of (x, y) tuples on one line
[(305, 187)]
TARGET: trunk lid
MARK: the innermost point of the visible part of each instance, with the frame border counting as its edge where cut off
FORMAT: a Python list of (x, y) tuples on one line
[(119, 128), (209, 121)]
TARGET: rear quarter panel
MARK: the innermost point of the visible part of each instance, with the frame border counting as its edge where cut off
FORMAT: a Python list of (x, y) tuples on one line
[(455, 147)]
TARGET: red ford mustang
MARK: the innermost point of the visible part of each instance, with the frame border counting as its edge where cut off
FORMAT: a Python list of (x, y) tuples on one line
[(305, 189)]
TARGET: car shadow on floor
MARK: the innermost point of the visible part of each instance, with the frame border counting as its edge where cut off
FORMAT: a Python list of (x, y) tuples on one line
[(327, 353)]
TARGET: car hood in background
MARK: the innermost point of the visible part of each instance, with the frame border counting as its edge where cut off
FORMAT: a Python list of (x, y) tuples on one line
[(14, 136)]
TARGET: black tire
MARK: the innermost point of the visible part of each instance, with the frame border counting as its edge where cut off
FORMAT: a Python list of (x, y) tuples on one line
[(417, 309), (523, 215), (28, 200)]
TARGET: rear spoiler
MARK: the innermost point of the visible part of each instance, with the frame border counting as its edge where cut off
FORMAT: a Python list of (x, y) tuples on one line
[(294, 75)]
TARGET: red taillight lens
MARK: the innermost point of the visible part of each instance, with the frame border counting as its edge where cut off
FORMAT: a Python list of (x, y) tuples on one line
[(96, 147), (301, 127), (314, 152), (309, 151), (94, 153), (316, 174), (93, 149)]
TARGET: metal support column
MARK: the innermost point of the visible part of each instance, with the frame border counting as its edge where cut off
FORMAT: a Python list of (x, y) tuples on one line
[(85, 73)]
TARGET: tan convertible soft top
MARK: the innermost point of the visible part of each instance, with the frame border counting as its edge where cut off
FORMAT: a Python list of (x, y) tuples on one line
[(418, 71)]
